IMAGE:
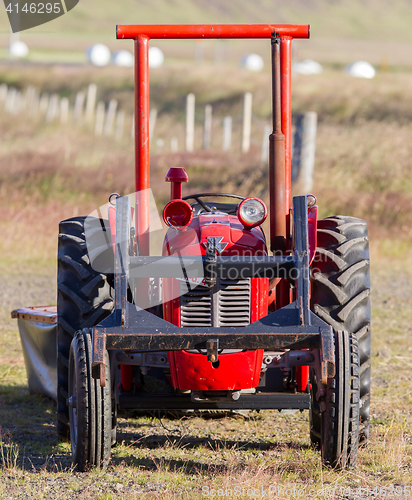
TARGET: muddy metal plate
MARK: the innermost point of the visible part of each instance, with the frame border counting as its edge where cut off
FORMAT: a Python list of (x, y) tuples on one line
[(43, 314)]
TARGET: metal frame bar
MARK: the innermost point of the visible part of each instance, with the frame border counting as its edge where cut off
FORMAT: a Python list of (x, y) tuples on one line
[(141, 34), (291, 327), (261, 401), (164, 31)]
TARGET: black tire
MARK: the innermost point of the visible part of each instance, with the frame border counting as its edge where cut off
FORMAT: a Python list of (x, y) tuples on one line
[(341, 297), (315, 420), (84, 295), (90, 409), (340, 415)]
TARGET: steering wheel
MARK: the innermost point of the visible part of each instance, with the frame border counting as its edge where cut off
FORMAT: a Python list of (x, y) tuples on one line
[(197, 197)]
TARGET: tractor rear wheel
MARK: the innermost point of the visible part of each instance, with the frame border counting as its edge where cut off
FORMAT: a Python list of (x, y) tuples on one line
[(90, 406), (84, 295), (340, 415), (341, 297)]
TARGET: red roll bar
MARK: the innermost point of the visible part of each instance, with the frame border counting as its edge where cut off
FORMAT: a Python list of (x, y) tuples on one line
[(213, 30), (143, 33)]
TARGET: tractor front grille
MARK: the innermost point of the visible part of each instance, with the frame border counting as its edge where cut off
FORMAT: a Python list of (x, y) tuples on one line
[(196, 306), (226, 304)]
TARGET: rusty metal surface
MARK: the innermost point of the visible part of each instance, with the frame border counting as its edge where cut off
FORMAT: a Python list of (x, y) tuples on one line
[(40, 314), (277, 176), (175, 341), (147, 332)]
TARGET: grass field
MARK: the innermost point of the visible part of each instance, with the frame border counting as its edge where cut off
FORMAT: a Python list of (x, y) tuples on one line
[(48, 173)]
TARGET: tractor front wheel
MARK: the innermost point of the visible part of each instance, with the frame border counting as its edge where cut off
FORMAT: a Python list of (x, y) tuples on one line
[(90, 407), (340, 406)]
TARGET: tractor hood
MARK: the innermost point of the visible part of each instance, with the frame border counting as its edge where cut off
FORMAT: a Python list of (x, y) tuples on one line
[(233, 237)]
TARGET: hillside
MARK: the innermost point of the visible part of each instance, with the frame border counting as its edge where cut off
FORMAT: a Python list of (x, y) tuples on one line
[(340, 28)]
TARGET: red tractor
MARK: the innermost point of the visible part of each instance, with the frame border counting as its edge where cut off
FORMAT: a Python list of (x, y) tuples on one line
[(223, 319)]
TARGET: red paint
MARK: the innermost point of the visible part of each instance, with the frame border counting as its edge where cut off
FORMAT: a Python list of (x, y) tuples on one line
[(212, 30), (286, 98), (259, 298), (192, 371), (126, 377), (176, 175), (178, 213), (142, 161), (235, 371), (302, 378)]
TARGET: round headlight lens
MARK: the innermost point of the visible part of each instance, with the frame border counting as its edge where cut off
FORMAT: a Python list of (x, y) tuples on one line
[(252, 212)]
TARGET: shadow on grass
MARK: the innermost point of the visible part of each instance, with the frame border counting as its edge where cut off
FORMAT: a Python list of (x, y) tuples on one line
[(28, 428), (28, 423), (174, 439)]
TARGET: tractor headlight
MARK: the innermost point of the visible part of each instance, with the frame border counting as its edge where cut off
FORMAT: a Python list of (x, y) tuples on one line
[(252, 212)]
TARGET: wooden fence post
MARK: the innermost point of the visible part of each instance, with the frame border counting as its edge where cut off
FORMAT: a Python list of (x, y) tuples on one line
[(16, 104), (53, 108), (3, 93), (90, 102), (43, 104), (34, 106), (64, 110), (190, 122), (304, 147), (10, 99), (264, 157), (110, 117), (119, 125), (227, 133), (28, 97), (174, 147), (99, 122), (159, 145), (207, 127), (246, 122), (78, 107)]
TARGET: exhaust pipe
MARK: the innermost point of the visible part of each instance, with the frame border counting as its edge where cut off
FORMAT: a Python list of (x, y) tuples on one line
[(277, 173)]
